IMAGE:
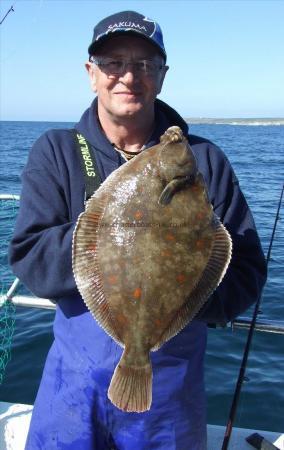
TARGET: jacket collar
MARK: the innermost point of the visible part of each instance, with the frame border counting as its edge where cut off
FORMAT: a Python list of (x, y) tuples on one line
[(89, 126)]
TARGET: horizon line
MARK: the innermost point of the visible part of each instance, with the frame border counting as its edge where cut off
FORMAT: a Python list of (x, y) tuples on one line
[(193, 118)]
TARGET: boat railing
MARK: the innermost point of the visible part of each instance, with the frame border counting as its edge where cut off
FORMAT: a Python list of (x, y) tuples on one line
[(264, 325), (243, 323), (9, 197)]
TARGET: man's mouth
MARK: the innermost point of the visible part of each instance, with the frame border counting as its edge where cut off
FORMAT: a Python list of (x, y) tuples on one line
[(129, 94)]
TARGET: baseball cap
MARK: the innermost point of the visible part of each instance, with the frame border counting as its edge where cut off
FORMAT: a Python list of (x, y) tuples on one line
[(128, 22)]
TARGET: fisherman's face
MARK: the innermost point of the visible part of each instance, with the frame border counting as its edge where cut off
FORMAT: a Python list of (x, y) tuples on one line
[(132, 92)]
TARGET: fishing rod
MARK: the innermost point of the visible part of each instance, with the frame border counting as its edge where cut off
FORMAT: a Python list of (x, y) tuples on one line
[(248, 343), (11, 9)]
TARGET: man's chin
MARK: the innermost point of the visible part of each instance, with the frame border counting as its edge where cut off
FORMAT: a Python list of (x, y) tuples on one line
[(131, 110)]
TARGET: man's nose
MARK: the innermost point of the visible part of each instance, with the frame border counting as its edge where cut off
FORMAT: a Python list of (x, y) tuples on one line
[(129, 74)]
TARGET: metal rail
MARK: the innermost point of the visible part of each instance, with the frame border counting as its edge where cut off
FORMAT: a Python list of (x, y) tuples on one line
[(29, 301), (266, 325), (9, 197), (243, 323)]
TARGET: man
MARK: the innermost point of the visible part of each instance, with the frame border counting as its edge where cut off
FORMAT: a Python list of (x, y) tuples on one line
[(127, 67)]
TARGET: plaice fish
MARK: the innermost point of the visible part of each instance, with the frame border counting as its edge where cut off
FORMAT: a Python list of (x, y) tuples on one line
[(147, 253)]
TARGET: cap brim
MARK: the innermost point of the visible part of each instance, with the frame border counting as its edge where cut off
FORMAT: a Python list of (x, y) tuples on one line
[(97, 44)]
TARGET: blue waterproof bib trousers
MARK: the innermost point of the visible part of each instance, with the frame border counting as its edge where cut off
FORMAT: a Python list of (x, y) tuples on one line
[(72, 410)]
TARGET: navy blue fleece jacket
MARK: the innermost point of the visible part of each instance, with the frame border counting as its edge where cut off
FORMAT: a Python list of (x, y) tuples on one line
[(53, 196)]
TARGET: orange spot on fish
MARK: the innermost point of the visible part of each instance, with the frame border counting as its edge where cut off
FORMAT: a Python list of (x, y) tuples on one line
[(137, 293), (92, 247), (122, 320), (112, 279), (181, 278), (170, 237), (138, 215), (200, 215), (158, 322), (166, 253), (200, 244)]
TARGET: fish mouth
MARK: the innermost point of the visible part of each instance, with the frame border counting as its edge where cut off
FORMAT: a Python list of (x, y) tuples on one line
[(187, 179), (176, 184)]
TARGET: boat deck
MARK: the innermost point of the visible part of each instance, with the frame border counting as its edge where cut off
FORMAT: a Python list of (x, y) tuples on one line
[(15, 419)]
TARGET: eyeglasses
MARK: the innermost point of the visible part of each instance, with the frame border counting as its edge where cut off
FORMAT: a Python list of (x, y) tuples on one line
[(113, 66)]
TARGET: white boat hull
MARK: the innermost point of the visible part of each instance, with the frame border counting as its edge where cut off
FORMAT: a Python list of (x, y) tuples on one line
[(15, 419)]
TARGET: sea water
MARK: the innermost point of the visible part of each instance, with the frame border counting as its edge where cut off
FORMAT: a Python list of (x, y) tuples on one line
[(256, 151)]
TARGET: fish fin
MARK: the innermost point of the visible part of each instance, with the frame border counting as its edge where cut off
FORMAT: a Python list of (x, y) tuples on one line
[(209, 281), (130, 388), (167, 194), (86, 269), (173, 187)]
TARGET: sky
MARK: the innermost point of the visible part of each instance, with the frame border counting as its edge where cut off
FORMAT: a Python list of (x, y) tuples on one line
[(226, 57)]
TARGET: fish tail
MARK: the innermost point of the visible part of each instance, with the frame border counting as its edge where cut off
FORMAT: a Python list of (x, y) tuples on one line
[(130, 388)]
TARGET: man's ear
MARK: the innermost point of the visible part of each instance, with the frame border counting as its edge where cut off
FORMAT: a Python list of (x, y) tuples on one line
[(92, 76), (161, 81)]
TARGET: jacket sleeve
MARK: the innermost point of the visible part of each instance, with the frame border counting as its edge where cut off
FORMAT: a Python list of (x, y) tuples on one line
[(40, 251), (246, 275)]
